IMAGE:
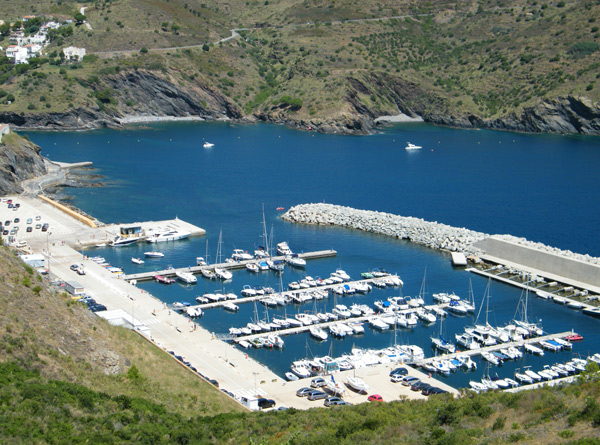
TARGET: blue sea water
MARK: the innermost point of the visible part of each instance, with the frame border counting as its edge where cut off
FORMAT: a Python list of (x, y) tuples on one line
[(542, 187)]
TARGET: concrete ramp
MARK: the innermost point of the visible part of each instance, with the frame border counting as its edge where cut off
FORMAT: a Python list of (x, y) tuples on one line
[(550, 265)]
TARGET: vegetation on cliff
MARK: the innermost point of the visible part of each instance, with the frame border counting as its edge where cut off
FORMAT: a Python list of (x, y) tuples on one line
[(476, 60)]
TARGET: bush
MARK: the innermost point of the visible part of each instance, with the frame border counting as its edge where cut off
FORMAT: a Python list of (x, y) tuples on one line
[(143, 50), (582, 49)]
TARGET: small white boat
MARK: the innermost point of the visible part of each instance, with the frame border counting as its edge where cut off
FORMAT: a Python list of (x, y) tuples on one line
[(231, 307), (295, 261), (154, 254), (318, 333), (534, 375), (137, 260), (342, 274), (276, 341), (208, 145), (207, 273), (291, 377), (512, 383), (523, 378), (477, 386), (252, 267), (284, 249), (200, 261), (245, 344), (186, 277), (168, 235), (410, 146), (335, 388), (223, 274), (357, 384), (533, 349)]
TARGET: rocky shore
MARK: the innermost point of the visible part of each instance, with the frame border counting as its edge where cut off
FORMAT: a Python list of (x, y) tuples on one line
[(416, 230)]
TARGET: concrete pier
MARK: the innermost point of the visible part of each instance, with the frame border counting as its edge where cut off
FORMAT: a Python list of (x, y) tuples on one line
[(229, 266)]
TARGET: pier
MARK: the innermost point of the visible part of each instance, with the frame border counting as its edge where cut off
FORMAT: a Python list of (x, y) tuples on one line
[(306, 328), (515, 344), (262, 297), (229, 266)]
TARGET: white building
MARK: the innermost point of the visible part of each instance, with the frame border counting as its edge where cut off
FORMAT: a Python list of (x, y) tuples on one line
[(73, 53)]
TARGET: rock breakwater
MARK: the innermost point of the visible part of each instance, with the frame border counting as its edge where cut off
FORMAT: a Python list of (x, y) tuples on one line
[(417, 230)]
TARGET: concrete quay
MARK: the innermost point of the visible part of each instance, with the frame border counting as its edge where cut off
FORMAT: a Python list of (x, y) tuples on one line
[(229, 266)]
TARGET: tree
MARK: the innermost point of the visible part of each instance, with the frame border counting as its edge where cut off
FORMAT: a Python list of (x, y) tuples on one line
[(79, 18)]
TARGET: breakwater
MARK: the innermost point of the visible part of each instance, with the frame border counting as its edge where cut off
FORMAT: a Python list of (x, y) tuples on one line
[(431, 234), (417, 230)]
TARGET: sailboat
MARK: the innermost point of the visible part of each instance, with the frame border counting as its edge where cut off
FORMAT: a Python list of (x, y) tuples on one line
[(486, 333), (206, 272), (276, 265), (221, 273), (442, 344), (533, 328)]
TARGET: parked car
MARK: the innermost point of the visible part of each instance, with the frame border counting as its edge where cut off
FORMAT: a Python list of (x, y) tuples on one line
[(303, 392), (38, 226), (419, 386), (409, 380), (339, 403), (44, 228), (331, 400), (396, 378), (10, 206), (17, 205), (433, 390), (38, 218), (29, 220), (29, 229), (17, 220), (265, 403), (7, 223), (317, 395), (74, 267), (318, 382), (5, 232), (399, 371), (375, 398)]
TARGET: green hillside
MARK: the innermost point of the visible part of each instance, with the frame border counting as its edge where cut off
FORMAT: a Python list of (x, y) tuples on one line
[(312, 60)]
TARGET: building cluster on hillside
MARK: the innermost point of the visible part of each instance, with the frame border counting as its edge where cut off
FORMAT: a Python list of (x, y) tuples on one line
[(23, 47)]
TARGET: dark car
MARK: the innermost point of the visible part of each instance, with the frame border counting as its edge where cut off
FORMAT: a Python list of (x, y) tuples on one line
[(317, 395), (17, 205), (419, 386), (5, 232), (332, 400), (10, 206), (213, 382), (7, 222), (44, 228), (29, 229), (266, 403), (303, 392), (97, 307), (433, 390), (399, 371), (17, 220)]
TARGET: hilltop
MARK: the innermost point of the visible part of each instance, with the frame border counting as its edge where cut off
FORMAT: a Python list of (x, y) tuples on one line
[(335, 67)]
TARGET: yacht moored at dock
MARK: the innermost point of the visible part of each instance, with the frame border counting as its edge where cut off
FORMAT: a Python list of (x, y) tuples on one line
[(168, 235)]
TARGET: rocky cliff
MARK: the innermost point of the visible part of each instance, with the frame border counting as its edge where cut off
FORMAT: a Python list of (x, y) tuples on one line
[(141, 92), (20, 159)]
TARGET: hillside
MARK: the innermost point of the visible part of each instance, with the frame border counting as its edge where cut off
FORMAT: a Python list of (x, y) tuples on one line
[(20, 159), (43, 331), (519, 65)]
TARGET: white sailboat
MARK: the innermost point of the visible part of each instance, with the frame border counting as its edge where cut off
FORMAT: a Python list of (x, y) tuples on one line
[(221, 273), (533, 328)]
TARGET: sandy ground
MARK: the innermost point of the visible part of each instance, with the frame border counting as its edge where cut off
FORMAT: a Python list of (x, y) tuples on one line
[(216, 359)]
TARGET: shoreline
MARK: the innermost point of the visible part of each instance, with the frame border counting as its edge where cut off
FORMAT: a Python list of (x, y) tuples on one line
[(144, 119)]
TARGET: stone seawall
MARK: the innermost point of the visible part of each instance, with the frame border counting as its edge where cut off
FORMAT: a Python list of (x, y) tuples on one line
[(417, 230), (431, 234)]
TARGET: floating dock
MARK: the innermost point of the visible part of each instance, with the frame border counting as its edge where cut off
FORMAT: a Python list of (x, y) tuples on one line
[(515, 344), (229, 266)]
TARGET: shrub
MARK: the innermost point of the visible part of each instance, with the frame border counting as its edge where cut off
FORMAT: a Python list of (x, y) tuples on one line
[(582, 49)]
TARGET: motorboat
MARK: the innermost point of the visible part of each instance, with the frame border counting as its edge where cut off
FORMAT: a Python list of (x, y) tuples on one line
[(411, 146), (295, 261), (120, 240), (223, 274), (276, 265), (318, 333), (137, 260), (357, 384), (533, 349), (163, 279), (378, 323), (534, 375), (477, 386), (284, 249), (488, 356), (489, 383), (248, 291), (240, 255), (200, 261), (208, 273), (443, 345), (252, 267), (342, 274), (523, 378), (154, 254), (300, 368), (276, 341), (512, 383), (467, 340), (208, 145), (186, 277), (231, 307), (168, 235), (425, 315), (291, 377)]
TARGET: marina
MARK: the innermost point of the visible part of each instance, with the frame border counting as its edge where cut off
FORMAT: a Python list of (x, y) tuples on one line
[(219, 205)]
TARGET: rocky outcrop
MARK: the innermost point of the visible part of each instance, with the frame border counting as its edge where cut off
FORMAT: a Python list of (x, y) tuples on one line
[(431, 234), (20, 159), (152, 93), (76, 119), (559, 115)]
